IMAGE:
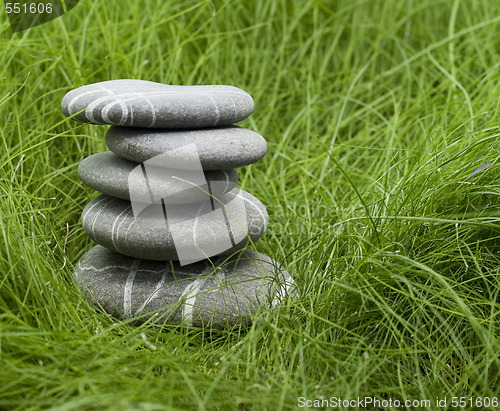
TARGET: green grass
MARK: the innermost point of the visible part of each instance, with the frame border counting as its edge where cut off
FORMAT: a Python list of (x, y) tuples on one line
[(375, 113)]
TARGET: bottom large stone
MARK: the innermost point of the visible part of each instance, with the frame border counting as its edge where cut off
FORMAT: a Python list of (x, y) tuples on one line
[(220, 293)]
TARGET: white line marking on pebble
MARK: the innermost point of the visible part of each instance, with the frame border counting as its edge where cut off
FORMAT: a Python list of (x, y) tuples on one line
[(154, 294), (240, 195), (72, 103), (190, 292), (93, 105), (115, 228), (117, 100), (127, 292), (96, 215), (217, 113)]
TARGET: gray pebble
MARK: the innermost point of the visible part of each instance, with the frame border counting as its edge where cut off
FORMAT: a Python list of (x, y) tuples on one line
[(139, 103), (117, 177), (216, 148), (190, 233), (216, 293)]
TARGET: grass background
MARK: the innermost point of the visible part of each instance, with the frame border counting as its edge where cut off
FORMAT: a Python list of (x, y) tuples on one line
[(375, 113)]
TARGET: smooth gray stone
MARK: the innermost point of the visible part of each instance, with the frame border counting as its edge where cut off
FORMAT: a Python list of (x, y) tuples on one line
[(216, 148), (189, 233), (117, 177), (140, 103), (218, 293)]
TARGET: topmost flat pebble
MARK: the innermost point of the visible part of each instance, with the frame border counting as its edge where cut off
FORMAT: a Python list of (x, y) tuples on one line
[(140, 103)]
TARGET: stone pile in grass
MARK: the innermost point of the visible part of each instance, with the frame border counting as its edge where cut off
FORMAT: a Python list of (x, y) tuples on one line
[(170, 224)]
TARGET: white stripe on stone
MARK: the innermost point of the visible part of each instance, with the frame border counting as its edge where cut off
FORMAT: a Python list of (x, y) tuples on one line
[(84, 216), (217, 113), (250, 202), (120, 101), (89, 113), (125, 219), (127, 292), (72, 111), (114, 233), (190, 292), (234, 105), (154, 294)]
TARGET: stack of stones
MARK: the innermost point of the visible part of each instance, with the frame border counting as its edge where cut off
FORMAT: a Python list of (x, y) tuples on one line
[(170, 224)]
